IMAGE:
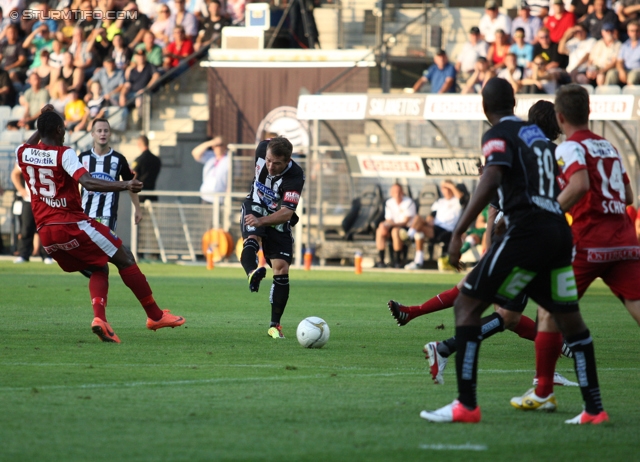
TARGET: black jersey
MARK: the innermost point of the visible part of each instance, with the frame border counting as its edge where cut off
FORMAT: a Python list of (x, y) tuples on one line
[(275, 192), (530, 186), (113, 166)]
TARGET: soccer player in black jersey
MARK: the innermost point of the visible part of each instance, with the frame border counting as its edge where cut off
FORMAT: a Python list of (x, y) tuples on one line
[(533, 257), (102, 162), (268, 213)]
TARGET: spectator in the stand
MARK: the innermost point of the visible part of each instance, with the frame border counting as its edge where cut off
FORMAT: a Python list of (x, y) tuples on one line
[(399, 210), (472, 49), (5, 22), (96, 102), (121, 54), (492, 20), (65, 31), (33, 100), (60, 96), (437, 227), (147, 167), (89, 22), (162, 26), (137, 78), (498, 50), (81, 51), (43, 69), (153, 51), (522, 50), (13, 58), (180, 48), (111, 81), (235, 11), (577, 46), (71, 75), (539, 8), (75, 113), (549, 51), (628, 10), (559, 21), (181, 17), (603, 57), (55, 56), (600, 15), (441, 74), (39, 39), (211, 32), (100, 45), (580, 9), (627, 71), (41, 17), (538, 79), (481, 75), (512, 73), (528, 23), (213, 155), (7, 90), (134, 29)]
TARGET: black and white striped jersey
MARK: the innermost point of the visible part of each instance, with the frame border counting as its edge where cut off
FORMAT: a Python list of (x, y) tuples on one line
[(274, 192), (112, 166)]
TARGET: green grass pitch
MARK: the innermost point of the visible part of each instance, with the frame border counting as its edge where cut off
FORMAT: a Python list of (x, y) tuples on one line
[(220, 389)]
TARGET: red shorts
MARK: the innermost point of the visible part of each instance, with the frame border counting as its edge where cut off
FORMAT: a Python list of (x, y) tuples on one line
[(78, 246), (619, 268)]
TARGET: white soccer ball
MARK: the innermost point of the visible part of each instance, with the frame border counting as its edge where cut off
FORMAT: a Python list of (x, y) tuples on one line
[(313, 332)]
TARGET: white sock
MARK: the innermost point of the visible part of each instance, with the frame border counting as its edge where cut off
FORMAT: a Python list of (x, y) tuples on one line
[(411, 232), (419, 258), (420, 235)]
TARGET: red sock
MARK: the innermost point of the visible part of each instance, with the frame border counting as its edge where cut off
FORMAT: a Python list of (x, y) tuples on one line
[(526, 328), (98, 288), (548, 348), (441, 301), (135, 280)]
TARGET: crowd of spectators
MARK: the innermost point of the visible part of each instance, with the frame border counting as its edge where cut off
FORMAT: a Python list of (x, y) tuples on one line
[(83, 64), (549, 43)]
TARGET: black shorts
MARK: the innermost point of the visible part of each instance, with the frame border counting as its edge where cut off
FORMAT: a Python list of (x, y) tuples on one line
[(533, 258), (277, 241)]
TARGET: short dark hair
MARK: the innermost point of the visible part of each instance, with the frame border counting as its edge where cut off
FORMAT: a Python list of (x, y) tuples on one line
[(144, 140), (498, 97), (572, 101), (280, 147), (98, 120), (543, 114), (48, 124)]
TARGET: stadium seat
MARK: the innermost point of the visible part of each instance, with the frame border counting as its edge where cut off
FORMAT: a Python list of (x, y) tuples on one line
[(631, 90), (428, 195), (365, 214), (5, 116), (17, 112), (607, 90), (588, 87), (12, 136)]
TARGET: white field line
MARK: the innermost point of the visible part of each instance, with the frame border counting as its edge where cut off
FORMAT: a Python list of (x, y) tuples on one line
[(249, 379), (454, 447)]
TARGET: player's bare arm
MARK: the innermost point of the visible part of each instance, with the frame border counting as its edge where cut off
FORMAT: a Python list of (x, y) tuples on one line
[(574, 191), (94, 184), (486, 190), (281, 216)]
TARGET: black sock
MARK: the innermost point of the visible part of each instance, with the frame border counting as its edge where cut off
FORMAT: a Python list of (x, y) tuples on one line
[(381, 255), (491, 325), (397, 256), (468, 339), (447, 347), (279, 296), (249, 255), (584, 358)]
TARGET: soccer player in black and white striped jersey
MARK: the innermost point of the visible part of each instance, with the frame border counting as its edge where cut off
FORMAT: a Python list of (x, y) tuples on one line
[(104, 163)]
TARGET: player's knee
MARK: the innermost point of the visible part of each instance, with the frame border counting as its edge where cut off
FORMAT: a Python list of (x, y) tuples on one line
[(510, 318)]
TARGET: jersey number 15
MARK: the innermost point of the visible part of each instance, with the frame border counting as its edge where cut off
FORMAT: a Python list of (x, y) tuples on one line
[(45, 176)]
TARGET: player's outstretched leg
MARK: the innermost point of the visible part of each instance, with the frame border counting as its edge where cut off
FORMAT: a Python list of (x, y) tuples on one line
[(98, 289), (278, 298), (403, 314), (249, 261), (137, 283)]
